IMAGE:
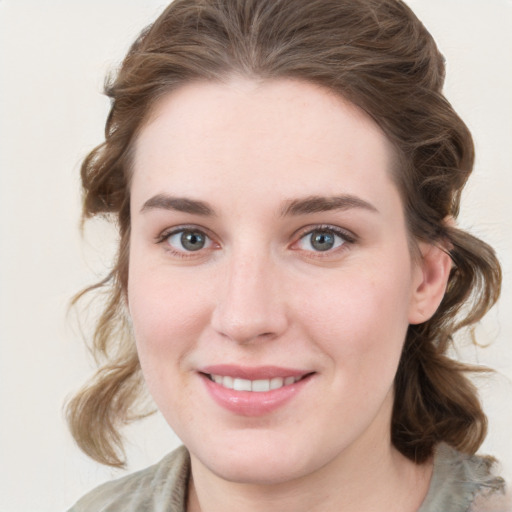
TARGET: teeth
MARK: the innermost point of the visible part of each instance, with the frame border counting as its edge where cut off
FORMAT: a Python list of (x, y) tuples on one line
[(259, 386), (227, 382), (276, 383), (242, 385)]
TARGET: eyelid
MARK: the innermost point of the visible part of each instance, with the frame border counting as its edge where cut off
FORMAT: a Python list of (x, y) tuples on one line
[(348, 237), (166, 233)]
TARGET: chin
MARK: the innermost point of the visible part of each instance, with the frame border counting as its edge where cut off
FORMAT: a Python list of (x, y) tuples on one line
[(257, 472), (259, 463)]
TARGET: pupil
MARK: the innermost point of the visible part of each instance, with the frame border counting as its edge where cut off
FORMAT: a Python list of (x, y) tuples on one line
[(192, 241), (322, 241)]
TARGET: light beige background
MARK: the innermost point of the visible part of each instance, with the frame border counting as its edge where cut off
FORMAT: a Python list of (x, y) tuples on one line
[(54, 55)]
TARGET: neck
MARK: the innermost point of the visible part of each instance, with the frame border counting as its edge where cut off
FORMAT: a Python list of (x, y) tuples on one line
[(369, 476)]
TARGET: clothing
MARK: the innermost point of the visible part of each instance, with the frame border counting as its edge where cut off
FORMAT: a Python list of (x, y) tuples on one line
[(159, 488), (457, 481), (461, 481)]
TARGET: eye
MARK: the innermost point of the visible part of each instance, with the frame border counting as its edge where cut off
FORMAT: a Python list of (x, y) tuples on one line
[(188, 240), (322, 240)]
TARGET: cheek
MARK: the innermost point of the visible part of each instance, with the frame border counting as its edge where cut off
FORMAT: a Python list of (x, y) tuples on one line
[(166, 314), (359, 319)]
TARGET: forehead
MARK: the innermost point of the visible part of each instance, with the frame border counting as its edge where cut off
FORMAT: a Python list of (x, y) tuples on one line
[(260, 136)]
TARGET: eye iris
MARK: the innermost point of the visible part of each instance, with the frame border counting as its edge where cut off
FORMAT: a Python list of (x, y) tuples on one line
[(322, 240), (192, 240)]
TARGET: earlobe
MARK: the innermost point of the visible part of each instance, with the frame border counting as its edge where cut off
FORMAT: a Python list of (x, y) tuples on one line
[(432, 273)]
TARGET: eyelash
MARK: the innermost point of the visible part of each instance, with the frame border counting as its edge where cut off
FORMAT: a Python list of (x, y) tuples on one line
[(176, 231), (347, 239)]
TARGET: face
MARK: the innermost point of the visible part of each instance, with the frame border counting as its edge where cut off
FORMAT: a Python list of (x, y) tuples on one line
[(270, 280)]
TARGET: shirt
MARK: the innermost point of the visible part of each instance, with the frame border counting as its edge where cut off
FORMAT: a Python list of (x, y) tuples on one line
[(460, 483)]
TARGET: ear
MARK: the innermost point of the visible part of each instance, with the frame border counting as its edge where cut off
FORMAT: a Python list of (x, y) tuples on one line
[(430, 280)]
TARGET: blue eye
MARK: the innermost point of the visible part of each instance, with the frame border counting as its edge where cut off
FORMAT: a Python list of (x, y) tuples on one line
[(188, 240), (321, 240)]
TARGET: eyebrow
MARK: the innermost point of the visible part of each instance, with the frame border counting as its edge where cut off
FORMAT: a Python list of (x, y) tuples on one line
[(302, 206), (178, 204), (317, 204)]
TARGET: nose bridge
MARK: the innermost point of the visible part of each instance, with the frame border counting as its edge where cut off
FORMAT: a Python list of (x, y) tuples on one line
[(251, 304)]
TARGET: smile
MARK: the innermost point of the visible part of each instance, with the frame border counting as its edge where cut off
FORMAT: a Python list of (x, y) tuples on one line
[(257, 386), (254, 391)]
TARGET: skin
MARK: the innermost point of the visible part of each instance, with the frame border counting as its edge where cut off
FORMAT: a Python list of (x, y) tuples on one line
[(259, 293)]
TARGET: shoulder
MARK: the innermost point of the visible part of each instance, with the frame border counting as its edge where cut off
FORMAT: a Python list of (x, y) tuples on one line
[(463, 483), (501, 502), (157, 488)]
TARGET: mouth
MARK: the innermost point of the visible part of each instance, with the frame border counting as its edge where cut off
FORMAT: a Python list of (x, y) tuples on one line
[(256, 386), (254, 391)]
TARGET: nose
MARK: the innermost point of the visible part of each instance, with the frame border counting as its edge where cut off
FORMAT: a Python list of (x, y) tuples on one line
[(251, 305)]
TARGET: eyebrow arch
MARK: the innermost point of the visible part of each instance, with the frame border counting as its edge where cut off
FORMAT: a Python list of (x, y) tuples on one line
[(316, 204), (179, 204)]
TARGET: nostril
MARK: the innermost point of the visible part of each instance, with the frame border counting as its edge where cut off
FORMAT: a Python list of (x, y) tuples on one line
[(249, 313)]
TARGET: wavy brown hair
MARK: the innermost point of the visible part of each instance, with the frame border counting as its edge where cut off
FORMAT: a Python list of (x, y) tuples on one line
[(378, 55)]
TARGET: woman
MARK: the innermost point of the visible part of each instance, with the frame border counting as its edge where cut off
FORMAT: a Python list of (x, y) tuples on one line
[(286, 177)]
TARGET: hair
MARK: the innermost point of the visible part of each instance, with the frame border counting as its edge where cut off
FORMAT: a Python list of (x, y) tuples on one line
[(379, 56)]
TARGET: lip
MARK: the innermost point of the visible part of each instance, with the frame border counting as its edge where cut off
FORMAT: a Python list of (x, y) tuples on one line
[(253, 372), (248, 403)]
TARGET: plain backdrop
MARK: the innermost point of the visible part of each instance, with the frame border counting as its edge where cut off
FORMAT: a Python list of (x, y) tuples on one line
[(53, 58)]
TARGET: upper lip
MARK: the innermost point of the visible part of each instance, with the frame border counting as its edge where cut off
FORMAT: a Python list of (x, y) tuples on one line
[(252, 372)]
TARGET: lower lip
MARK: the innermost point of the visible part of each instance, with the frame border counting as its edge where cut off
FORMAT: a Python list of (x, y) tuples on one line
[(250, 403)]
